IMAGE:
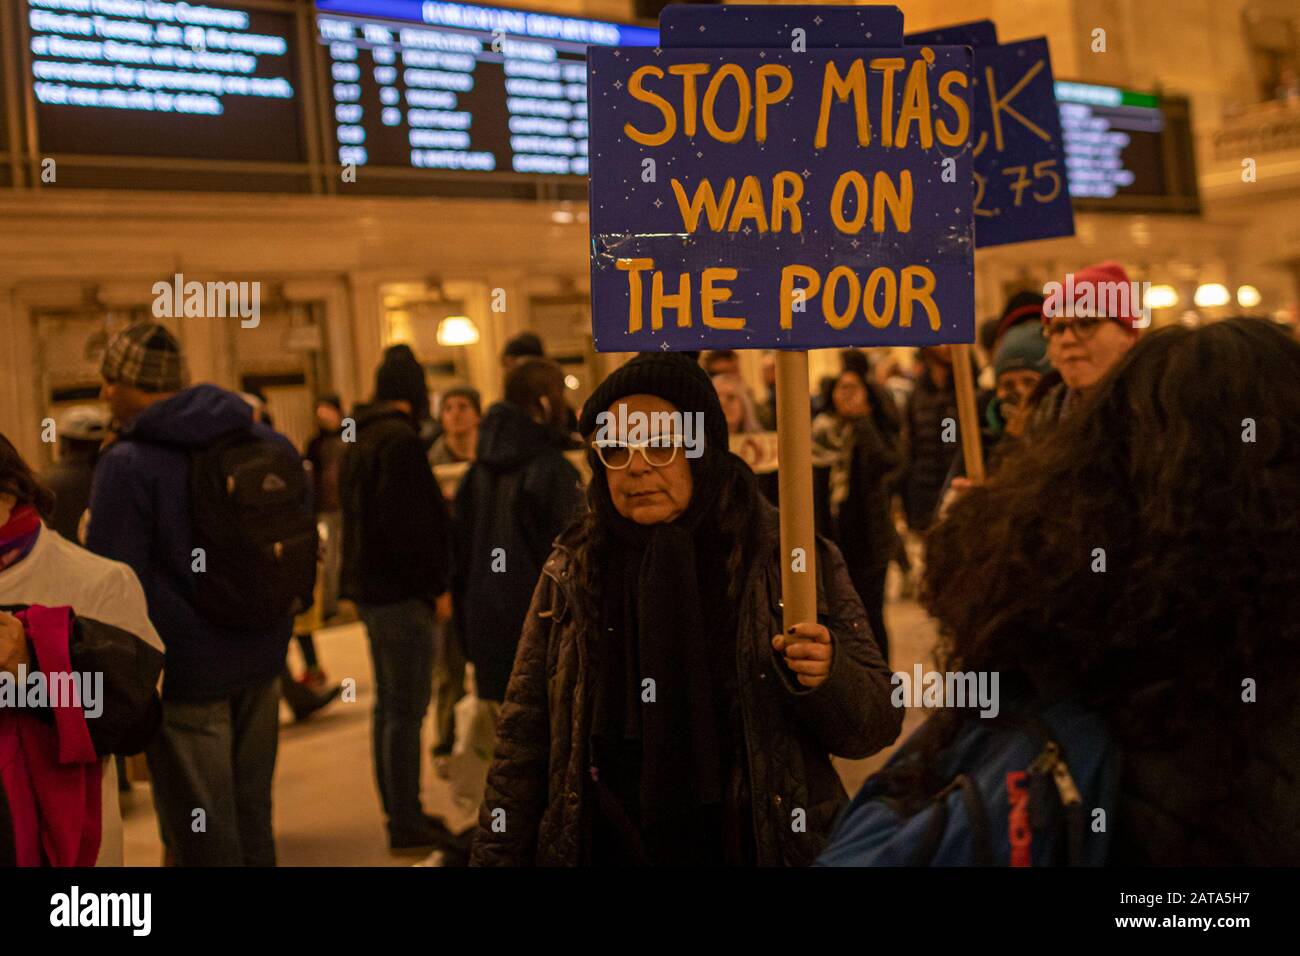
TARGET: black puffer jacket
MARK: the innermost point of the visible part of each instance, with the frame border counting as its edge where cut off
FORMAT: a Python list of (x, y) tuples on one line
[(516, 498), (538, 786)]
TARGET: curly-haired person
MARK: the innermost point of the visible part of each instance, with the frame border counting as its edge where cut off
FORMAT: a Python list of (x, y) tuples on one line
[(1184, 469)]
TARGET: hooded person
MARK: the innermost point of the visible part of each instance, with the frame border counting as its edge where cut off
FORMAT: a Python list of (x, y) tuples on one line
[(406, 375), (396, 566), (513, 502), (218, 742), (652, 716)]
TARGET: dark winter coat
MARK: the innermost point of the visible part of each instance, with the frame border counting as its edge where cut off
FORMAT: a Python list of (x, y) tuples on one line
[(540, 778), (1048, 403), (864, 529), (396, 529), (325, 453), (140, 515), (995, 442), (513, 502), (70, 478), (1177, 805), (927, 455)]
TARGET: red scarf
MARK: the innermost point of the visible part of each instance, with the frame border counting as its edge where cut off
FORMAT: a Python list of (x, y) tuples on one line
[(18, 535), (49, 770)]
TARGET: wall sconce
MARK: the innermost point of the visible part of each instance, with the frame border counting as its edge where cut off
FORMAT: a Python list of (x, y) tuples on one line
[(457, 330), (1161, 297), (1211, 295)]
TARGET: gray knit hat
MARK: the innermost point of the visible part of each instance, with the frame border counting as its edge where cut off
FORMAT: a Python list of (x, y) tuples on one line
[(146, 356)]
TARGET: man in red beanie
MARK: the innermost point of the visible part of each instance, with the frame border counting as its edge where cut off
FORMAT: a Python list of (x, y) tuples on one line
[(1090, 322)]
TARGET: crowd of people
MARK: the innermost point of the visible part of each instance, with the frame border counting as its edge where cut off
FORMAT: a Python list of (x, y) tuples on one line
[(1128, 560)]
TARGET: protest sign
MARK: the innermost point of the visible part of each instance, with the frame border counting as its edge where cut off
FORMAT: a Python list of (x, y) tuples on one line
[(786, 198), (1020, 187), (792, 28), (774, 199), (1018, 153)]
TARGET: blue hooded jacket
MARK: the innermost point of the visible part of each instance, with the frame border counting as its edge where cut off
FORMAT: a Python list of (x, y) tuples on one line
[(140, 514)]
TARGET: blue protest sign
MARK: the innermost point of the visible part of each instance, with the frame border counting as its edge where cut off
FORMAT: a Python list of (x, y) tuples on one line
[(745, 198), (1020, 188), (789, 27), (1019, 156)]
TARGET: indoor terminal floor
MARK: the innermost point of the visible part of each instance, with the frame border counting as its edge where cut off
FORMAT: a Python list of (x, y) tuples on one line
[(326, 805)]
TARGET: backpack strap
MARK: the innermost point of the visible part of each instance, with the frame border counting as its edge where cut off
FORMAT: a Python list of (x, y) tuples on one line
[(933, 833), (978, 816), (976, 813), (1075, 826)]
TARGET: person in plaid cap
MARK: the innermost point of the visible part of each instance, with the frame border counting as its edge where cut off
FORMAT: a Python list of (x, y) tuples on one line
[(217, 745), (145, 358)]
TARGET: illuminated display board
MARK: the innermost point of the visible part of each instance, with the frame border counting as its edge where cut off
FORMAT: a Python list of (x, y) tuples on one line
[(160, 78), (1126, 150), (458, 87), (410, 85)]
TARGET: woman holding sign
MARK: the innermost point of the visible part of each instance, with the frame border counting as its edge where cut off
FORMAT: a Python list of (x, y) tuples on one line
[(655, 715)]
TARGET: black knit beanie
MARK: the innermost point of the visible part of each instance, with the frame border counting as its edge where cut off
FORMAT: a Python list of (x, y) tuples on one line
[(400, 378), (670, 376)]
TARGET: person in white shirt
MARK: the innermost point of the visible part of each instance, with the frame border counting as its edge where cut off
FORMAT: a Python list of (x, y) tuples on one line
[(38, 566)]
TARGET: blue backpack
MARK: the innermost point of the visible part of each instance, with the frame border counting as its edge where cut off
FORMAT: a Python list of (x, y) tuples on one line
[(1023, 790)]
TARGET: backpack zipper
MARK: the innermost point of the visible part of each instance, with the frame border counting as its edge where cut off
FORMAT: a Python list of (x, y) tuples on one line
[(1050, 761)]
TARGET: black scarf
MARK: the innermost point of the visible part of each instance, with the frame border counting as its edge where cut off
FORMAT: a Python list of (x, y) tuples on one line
[(666, 616)]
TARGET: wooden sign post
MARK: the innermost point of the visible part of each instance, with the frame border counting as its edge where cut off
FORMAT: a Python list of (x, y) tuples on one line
[(794, 478), (968, 413)]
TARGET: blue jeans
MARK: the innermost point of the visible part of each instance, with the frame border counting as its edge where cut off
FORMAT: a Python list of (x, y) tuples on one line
[(218, 757), (401, 639)]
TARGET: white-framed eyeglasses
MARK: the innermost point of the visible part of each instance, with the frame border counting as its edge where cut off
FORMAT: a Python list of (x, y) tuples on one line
[(657, 452)]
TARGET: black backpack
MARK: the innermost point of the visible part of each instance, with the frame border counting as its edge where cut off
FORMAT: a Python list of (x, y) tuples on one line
[(250, 513)]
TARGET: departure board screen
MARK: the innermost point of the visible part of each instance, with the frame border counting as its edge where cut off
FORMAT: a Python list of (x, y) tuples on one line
[(450, 86), (1122, 145), (157, 78)]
